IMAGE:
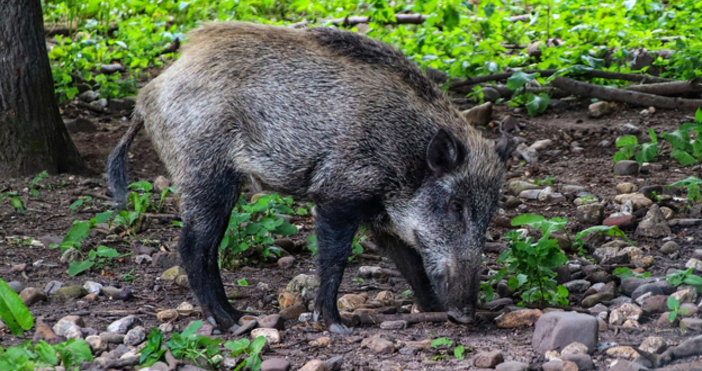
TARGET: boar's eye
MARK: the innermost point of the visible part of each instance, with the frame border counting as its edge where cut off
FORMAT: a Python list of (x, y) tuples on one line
[(456, 206)]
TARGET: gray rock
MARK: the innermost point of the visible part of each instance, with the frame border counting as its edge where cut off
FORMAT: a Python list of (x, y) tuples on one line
[(92, 287), (488, 359), (52, 287), (70, 292), (694, 324), (122, 325), (305, 317), (170, 274), (629, 129), (555, 330), (571, 189), (16, 286), (577, 286), (135, 336), (303, 283), (490, 94), (70, 255), (651, 288), (334, 363), (518, 186), (626, 167), (632, 283), (611, 255), (590, 213), (624, 365), (531, 194), (275, 364), (528, 154), (599, 109), (408, 351), (272, 321), (654, 224), (88, 96), (394, 325), (583, 361), (112, 338), (80, 125), (112, 68), (670, 247), (512, 366)]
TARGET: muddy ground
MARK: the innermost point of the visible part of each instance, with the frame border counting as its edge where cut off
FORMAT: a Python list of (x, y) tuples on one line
[(48, 218)]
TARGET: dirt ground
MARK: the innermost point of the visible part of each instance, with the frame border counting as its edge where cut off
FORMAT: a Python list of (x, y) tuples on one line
[(48, 218)]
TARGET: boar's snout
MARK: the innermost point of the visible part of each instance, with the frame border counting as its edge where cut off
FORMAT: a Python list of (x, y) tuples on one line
[(458, 290)]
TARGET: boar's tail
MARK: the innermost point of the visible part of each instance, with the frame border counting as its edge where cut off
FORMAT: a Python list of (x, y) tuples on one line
[(117, 164)]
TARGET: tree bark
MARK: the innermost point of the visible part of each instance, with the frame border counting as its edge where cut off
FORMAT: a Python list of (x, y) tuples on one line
[(33, 137)]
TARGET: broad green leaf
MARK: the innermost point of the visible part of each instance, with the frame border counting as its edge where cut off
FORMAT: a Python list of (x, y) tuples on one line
[(687, 181), (13, 311), (107, 252), (652, 135), (441, 342), (680, 140), (527, 219), (258, 344), (537, 104), (286, 229), (519, 79), (459, 352), (237, 346), (627, 140), (648, 152), (77, 233), (242, 282), (684, 158), (79, 266), (698, 115), (46, 352), (673, 303), (103, 217)]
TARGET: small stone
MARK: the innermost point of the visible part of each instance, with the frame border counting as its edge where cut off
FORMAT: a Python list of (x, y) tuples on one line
[(272, 321), (524, 317), (629, 129), (670, 247), (305, 317), (122, 325), (394, 325), (182, 281), (350, 302), (625, 312), (638, 200), (111, 68), (206, 329), (512, 366), (626, 187), (286, 262), (385, 297), (70, 255), (654, 224), (655, 304), (275, 364), (112, 338), (288, 299), (408, 351), (626, 168), (378, 345), (64, 323), (488, 359), (694, 263), (577, 286), (668, 213), (302, 283), (624, 365), (70, 292), (649, 288), (168, 315), (541, 145), (685, 295), (143, 259), (625, 352), (173, 272), (611, 255), (574, 348), (272, 335), (518, 186), (555, 330), (110, 291), (96, 344), (694, 324), (559, 365), (583, 361), (619, 220), (321, 342), (245, 327), (166, 327), (314, 365), (599, 109), (72, 331), (531, 194), (479, 115), (166, 259), (334, 363), (590, 213), (16, 286), (293, 312), (30, 296), (92, 287), (653, 345), (371, 271), (135, 336)]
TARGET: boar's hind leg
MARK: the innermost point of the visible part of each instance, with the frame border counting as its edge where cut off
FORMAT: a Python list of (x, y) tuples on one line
[(336, 226), (207, 201), (410, 264)]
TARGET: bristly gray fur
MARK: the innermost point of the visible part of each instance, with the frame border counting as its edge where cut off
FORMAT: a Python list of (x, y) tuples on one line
[(117, 165), (333, 117)]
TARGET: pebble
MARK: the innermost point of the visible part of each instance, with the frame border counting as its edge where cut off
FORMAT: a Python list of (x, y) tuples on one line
[(112, 338), (512, 366), (627, 311), (286, 262), (334, 363), (655, 304), (577, 286), (351, 302), (68, 321), (599, 109), (685, 295), (648, 288), (626, 187), (559, 365), (275, 364), (170, 274), (272, 321), (292, 312), (182, 281), (488, 359), (408, 351), (169, 315), (303, 283), (96, 343), (164, 259), (321, 342), (694, 324), (670, 247), (272, 335), (638, 200), (70, 255), (30, 296), (611, 255), (624, 365), (52, 287), (694, 263), (92, 287), (555, 330), (654, 224), (519, 186), (394, 325), (245, 327), (626, 168), (143, 259), (314, 365), (16, 286), (122, 325), (518, 318), (135, 336), (70, 292), (653, 345), (583, 361), (378, 345), (591, 213)]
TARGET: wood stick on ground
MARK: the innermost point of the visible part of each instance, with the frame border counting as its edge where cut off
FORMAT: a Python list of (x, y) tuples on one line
[(399, 19), (547, 73), (584, 89), (668, 88)]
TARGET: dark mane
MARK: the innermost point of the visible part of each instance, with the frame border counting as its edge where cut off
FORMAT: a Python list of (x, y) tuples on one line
[(366, 50)]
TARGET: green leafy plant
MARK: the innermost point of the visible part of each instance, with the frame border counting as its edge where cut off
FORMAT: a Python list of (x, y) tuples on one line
[(629, 147), (612, 231), (194, 347), (685, 150), (458, 352), (692, 184), (27, 357), (674, 306), (685, 277), (252, 227), (529, 262), (95, 257), (77, 204), (545, 181), (626, 272), (15, 201), (13, 312), (81, 230), (34, 184), (253, 350), (154, 349)]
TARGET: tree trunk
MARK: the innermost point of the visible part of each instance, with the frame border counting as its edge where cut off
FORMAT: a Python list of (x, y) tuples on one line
[(33, 137)]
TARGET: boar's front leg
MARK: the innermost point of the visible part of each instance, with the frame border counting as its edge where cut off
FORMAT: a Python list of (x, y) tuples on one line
[(411, 265), (336, 225), (207, 201)]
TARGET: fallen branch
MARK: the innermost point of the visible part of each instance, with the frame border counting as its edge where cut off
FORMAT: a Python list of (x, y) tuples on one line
[(368, 318), (667, 88), (399, 19), (584, 89), (548, 73)]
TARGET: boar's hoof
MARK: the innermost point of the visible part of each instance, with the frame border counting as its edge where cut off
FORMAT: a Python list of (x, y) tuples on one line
[(340, 329), (213, 322), (462, 318)]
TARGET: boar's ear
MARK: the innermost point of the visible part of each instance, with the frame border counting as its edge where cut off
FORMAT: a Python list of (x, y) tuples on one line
[(504, 146), (444, 152)]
